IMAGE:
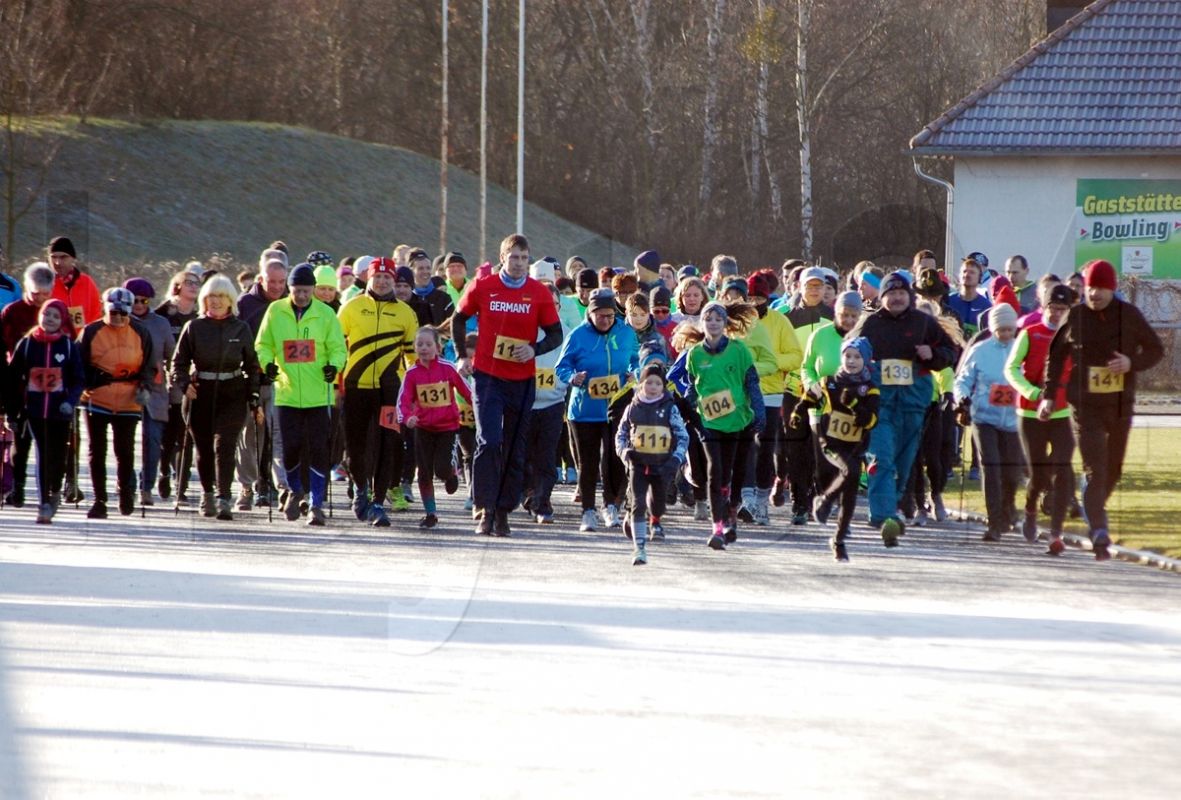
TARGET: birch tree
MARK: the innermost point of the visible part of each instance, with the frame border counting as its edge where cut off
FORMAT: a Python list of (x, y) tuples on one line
[(709, 112)]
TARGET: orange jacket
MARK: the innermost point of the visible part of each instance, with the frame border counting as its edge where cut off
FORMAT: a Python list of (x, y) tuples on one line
[(117, 364)]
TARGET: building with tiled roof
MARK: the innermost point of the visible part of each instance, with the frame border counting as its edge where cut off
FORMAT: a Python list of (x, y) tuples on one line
[(1073, 151)]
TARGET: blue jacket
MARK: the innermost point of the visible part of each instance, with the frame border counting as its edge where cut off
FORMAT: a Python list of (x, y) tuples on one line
[(10, 291), (598, 355), (981, 377)]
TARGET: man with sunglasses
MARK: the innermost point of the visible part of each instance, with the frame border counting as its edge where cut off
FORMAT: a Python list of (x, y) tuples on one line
[(156, 410)]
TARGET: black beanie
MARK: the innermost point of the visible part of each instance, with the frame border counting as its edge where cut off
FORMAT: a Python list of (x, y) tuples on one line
[(302, 275), (652, 368), (660, 296), (60, 244), (587, 279)]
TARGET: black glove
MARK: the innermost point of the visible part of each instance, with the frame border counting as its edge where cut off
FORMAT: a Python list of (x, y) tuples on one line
[(272, 371), (797, 421), (862, 416), (252, 403), (758, 426), (947, 402), (963, 413), (330, 373)]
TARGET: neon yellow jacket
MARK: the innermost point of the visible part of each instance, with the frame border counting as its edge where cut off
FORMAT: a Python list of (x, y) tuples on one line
[(301, 348)]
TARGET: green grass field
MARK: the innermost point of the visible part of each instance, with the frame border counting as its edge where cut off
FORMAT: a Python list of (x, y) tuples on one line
[(163, 192), (1144, 512)]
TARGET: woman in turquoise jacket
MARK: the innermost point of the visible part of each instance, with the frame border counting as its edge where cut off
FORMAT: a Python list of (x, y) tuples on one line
[(596, 360)]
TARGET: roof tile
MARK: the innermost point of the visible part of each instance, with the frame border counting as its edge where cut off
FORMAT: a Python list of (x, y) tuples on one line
[(1109, 79)]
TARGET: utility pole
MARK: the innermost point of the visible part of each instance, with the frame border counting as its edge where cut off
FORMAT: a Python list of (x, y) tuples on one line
[(443, 147), (521, 118), (483, 131)]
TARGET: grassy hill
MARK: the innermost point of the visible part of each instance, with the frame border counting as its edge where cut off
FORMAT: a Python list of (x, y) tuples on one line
[(143, 196)]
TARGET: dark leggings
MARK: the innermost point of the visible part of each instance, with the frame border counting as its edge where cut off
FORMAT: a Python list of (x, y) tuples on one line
[(726, 469), (1048, 448), (50, 436), (374, 452), (596, 453), (1102, 442), (929, 461), (306, 429), (801, 459), (1000, 463), (467, 451), (845, 459), (170, 444), (642, 482), (216, 418), (768, 442), (123, 428), (433, 452)]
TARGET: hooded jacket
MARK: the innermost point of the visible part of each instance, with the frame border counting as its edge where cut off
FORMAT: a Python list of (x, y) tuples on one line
[(61, 358), (981, 379), (599, 355)]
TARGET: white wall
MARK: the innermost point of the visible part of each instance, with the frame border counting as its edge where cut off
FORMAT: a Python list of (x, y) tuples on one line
[(1026, 205)]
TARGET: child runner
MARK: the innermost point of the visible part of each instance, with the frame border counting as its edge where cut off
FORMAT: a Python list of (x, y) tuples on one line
[(467, 431), (724, 386), (47, 363), (849, 407), (651, 442), (426, 404)]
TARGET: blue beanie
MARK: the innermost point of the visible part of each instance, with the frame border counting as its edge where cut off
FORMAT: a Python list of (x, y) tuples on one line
[(302, 275), (861, 345), (849, 300), (404, 275), (649, 260)]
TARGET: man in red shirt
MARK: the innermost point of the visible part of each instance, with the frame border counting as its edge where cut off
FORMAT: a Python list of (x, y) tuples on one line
[(73, 287), (510, 308)]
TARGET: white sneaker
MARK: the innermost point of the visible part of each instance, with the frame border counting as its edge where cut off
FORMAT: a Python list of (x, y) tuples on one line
[(611, 516), (590, 521)]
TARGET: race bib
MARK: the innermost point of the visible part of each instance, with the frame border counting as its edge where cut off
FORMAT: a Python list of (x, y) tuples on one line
[(45, 379), (503, 349), (897, 372), (841, 426), (434, 395), (602, 388), (652, 439), (718, 405), (1002, 394), (1101, 380), (546, 379), (388, 418), (467, 417), (299, 351), (77, 317)]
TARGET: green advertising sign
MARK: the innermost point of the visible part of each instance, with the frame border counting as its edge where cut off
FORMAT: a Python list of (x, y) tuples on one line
[(1136, 225)]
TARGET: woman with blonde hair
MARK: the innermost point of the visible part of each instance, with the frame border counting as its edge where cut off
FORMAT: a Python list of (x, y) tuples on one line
[(215, 367)]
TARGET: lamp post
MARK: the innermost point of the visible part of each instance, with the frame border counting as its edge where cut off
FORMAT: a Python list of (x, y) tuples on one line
[(521, 117)]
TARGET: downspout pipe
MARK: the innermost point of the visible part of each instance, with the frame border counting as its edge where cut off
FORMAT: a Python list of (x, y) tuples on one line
[(949, 236)]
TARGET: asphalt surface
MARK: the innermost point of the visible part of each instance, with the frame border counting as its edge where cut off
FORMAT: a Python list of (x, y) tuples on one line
[(175, 656)]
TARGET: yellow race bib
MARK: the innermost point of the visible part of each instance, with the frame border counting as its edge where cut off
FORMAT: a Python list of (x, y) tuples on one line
[(1101, 380), (842, 427), (78, 317), (503, 349), (652, 439), (717, 405), (603, 388), (546, 379), (434, 395), (897, 372), (467, 417)]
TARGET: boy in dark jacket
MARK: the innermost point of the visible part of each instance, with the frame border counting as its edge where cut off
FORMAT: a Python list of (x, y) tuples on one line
[(849, 402)]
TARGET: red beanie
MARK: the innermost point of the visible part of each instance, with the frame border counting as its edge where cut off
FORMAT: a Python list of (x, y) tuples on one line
[(761, 283), (1100, 275)]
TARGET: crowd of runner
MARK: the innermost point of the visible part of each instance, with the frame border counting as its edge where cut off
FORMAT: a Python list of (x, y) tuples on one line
[(644, 388)]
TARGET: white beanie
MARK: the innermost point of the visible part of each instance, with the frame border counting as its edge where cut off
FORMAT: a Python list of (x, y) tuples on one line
[(1001, 315)]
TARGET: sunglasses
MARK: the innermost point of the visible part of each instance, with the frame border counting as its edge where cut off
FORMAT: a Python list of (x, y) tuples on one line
[(661, 312), (143, 300), (116, 312)]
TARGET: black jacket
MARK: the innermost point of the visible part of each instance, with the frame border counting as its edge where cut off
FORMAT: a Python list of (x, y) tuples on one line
[(215, 345), (1091, 339)]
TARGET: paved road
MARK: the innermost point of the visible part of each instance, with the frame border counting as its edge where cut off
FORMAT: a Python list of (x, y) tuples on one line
[(178, 657)]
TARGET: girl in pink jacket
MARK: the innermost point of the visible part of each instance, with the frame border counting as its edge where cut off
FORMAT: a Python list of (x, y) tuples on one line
[(426, 403)]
